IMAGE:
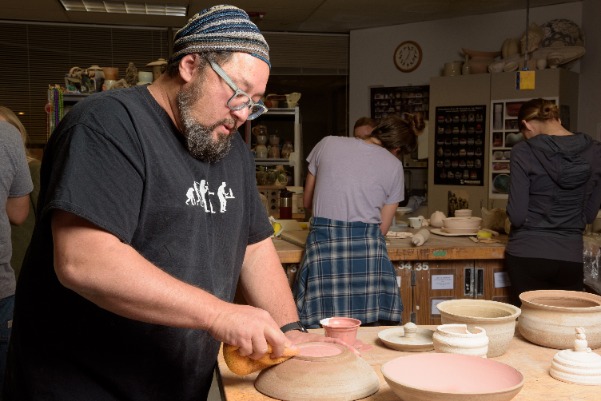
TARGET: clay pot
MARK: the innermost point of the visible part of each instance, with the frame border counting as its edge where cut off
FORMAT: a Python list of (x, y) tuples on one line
[(452, 68), (324, 371), (110, 73), (549, 317), (451, 377), (497, 318), (458, 339)]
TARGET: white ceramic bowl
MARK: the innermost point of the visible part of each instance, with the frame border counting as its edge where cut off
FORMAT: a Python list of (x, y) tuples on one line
[(497, 318), (463, 213), (451, 377), (550, 317)]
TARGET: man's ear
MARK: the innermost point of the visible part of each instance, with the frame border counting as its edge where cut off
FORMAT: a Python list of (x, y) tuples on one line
[(187, 66)]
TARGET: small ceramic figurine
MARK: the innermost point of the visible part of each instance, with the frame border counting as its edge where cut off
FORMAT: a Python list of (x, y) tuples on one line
[(131, 74)]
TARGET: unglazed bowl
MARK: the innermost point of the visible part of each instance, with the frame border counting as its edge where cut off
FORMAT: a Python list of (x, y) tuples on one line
[(497, 318), (455, 338), (550, 317), (451, 377), (323, 371)]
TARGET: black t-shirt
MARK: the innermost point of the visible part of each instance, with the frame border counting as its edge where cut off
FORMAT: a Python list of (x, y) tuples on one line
[(117, 161)]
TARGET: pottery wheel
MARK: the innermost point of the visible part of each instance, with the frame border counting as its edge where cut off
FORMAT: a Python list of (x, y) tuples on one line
[(407, 338)]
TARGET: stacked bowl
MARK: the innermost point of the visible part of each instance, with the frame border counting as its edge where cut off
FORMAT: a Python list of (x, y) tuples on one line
[(461, 225)]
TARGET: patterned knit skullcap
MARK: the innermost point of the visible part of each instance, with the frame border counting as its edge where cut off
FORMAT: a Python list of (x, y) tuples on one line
[(220, 28)]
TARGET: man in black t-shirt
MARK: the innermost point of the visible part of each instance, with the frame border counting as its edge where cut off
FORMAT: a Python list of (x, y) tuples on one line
[(149, 218)]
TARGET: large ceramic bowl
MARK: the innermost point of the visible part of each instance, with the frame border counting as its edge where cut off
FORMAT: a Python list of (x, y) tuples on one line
[(451, 377), (497, 318), (461, 224), (550, 317), (323, 371)]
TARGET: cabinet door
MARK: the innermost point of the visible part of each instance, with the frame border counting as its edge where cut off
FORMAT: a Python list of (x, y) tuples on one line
[(404, 280), (492, 281), (437, 281)]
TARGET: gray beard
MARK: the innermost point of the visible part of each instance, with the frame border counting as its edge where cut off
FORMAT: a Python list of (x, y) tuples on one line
[(199, 138)]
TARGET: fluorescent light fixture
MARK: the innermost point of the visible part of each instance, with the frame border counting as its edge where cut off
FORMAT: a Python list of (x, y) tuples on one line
[(124, 7)]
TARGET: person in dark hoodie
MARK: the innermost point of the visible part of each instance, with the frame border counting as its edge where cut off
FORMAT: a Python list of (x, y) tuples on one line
[(555, 191)]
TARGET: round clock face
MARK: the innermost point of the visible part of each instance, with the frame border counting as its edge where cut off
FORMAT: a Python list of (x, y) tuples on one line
[(408, 56)]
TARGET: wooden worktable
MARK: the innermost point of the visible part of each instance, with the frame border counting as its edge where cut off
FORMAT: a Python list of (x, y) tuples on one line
[(531, 360), (291, 245)]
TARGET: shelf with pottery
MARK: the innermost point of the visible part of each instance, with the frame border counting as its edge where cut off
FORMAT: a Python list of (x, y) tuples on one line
[(275, 137), (531, 360)]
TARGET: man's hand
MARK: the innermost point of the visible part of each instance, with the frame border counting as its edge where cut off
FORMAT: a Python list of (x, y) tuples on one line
[(249, 329)]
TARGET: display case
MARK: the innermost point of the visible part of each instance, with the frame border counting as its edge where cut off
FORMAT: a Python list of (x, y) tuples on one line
[(285, 125)]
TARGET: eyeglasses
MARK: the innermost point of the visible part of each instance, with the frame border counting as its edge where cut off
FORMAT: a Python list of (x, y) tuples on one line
[(239, 99)]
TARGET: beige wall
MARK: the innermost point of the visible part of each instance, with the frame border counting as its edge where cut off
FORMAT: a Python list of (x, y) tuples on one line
[(371, 50)]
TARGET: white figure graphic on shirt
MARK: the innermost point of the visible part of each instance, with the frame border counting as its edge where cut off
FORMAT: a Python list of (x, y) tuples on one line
[(224, 196), (199, 194), (191, 198), (205, 200)]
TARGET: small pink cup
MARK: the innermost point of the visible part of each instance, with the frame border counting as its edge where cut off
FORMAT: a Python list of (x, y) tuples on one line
[(343, 328)]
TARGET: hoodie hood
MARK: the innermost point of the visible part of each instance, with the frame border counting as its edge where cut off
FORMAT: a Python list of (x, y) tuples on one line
[(561, 158)]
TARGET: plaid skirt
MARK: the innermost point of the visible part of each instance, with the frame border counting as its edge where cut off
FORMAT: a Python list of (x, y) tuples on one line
[(345, 271)]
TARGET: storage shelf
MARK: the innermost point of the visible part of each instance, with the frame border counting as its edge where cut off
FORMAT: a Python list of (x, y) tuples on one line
[(286, 123)]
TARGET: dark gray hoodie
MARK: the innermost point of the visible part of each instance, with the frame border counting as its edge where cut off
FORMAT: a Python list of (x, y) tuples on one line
[(555, 191)]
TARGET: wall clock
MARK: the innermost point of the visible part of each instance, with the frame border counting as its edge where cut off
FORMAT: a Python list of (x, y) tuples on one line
[(408, 56)]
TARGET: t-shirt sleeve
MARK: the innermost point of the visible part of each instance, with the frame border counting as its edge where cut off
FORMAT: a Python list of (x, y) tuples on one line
[(397, 189), (20, 183), (97, 178)]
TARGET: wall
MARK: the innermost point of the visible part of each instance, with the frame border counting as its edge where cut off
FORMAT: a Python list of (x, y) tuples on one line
[(589, 120), (371, 50)]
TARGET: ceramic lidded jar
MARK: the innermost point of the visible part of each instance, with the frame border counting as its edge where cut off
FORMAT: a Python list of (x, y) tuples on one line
[(579, 365), (457, 339)]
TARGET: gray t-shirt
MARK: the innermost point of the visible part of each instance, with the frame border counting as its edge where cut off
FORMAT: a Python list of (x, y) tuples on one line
[(354, 179), (15, 181)]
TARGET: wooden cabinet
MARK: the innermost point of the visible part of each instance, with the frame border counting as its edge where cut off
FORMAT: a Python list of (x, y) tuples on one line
[(436, 281)]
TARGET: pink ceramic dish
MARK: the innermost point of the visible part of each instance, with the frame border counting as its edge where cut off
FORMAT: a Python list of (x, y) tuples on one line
[(451, 377)]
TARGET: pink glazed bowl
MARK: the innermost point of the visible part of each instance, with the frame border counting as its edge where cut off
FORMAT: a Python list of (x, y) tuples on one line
[(343, 328), (451, 377)]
